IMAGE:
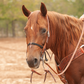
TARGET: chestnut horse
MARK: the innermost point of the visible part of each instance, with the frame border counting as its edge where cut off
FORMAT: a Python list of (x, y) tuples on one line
[(60, 33)]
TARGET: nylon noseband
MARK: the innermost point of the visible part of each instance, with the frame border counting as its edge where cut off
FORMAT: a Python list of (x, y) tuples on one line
[(40, 47), (36, 45)]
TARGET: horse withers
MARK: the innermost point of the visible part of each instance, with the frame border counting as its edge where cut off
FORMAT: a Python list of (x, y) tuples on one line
[(60, 33)]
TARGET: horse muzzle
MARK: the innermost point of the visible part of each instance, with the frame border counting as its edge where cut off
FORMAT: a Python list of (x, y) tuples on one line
[(33, 63)]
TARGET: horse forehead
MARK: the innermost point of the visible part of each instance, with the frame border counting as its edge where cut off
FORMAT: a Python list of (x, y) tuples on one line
[(35, 21), (32, 22), (36, 18), (34, 15)]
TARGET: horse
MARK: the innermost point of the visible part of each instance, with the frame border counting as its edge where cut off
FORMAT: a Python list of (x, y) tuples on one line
[(59, 33)]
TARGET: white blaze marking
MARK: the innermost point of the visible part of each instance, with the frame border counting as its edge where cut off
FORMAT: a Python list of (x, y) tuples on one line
[(31, 28)]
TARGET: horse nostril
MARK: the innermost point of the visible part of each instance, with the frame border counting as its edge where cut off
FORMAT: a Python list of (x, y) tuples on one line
[(32, 63), (35, 61)]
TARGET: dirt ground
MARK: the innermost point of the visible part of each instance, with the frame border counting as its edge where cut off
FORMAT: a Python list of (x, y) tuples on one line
[(13, 66)]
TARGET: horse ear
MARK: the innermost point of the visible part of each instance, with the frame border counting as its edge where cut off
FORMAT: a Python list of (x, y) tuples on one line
[(43, 9), (26, 12)]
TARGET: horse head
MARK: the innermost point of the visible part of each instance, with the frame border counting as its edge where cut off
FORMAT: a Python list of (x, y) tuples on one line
[(36, 34)]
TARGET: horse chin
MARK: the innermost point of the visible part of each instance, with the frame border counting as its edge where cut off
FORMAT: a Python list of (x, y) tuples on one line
[(37, 66)]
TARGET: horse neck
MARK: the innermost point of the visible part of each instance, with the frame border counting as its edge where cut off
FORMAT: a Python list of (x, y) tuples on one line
[(64, 35)]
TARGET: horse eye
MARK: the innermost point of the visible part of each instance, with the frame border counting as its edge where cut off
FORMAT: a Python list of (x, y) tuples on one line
[(43, 30)]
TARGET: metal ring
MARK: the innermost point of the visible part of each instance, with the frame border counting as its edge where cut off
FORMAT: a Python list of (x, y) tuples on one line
[(81, 46)]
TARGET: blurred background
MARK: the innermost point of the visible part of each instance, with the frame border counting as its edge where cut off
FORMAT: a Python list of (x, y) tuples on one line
[(12, 20), (13, 66)]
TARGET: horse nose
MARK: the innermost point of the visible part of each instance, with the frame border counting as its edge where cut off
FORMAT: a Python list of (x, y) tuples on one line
[(32, 63)]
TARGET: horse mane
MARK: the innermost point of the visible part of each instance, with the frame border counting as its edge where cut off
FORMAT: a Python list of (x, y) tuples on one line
[(65, 30)]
